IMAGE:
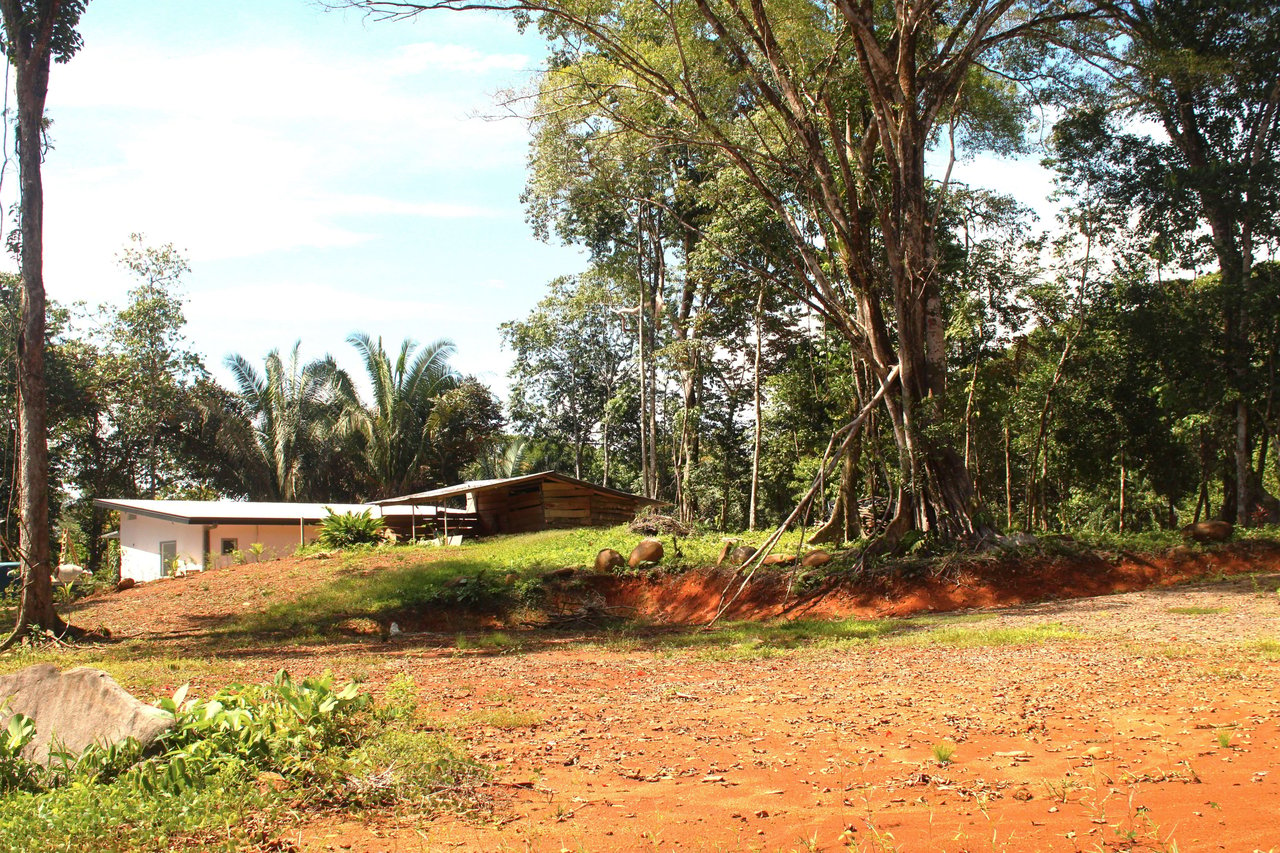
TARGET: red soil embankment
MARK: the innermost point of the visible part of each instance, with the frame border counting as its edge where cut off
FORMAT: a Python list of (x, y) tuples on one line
[(695, 596)]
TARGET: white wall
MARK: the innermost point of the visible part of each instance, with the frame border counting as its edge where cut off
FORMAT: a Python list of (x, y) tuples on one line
[(140, 538)]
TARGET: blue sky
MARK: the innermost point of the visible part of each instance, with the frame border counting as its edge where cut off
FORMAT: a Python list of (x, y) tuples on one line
[(324, 174)]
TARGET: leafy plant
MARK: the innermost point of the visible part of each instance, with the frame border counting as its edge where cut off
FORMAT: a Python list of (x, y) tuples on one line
[(343, 530), (942, 752), (16, 771)]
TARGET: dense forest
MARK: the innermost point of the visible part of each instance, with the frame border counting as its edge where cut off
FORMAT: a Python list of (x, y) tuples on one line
[(792, 310), (765, 192)]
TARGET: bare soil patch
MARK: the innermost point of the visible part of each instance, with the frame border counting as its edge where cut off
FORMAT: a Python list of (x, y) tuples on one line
[(1158, 730)]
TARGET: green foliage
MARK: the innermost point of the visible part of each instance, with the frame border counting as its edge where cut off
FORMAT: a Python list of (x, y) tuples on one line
[(292, 408), (204, 788), (394, 433), (15, 772), (347, 529)]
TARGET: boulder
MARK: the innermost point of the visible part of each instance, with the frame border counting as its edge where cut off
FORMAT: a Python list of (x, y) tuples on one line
[(741, 554), (76, 708), (1208, 531), (815, 559), (608, 560), (779, 560), (648, 551), (126, 583)]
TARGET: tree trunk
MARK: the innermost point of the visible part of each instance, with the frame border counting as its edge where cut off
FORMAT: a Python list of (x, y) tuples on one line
[(1123, 474), (756, 443), (29, 52), (642, 367)]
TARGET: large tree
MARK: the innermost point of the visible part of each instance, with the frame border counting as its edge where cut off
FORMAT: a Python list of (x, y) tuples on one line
[(36, 33), (826, 111), (1181, 123), (293, 407)]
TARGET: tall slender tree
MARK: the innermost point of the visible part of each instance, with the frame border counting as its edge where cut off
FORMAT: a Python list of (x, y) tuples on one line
[(36, 33)]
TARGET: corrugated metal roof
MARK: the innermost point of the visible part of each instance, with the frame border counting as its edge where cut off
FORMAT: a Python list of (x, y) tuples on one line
[(484, 485), (249, 512)]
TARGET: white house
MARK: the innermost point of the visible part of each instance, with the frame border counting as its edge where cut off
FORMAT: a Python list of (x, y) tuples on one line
[(158, 538)]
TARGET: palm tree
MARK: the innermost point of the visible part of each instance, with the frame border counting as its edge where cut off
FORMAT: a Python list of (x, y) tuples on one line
[(395, 427), (509, 456), (293, 409)]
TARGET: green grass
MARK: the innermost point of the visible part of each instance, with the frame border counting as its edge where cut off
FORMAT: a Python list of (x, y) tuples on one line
[(1265, 649), (498, 573), (755, 640), (1197, 611), (967, 637)]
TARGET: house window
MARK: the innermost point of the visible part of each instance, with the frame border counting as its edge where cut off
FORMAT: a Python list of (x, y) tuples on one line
[(168, 558), (229, 546)]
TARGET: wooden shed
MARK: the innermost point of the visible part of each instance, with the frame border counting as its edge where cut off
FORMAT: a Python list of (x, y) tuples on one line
[(532, 502)]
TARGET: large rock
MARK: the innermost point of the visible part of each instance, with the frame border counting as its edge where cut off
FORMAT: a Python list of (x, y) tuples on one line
[(741, 554), (608, 560), (76, 708), (649, 551), (1208, 531), (815, 559)]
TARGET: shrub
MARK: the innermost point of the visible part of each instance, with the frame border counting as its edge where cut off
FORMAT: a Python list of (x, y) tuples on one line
[(347, 529)]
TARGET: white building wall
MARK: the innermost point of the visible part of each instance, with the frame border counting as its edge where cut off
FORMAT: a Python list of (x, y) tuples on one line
[(140, 538)]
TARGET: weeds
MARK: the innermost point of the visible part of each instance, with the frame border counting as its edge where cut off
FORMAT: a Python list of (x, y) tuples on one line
[(943, 753), (313, 743), (1197, 611)]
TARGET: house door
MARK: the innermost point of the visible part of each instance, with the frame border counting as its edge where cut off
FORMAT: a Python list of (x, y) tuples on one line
[(168, 557)]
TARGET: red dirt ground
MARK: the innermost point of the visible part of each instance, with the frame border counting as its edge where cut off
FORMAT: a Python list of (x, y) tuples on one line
[(1108, 742)]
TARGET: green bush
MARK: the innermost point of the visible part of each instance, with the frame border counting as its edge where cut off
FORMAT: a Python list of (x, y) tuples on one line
[(343, 530)]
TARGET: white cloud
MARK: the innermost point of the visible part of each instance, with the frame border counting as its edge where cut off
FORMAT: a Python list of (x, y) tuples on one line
[(424, 56)]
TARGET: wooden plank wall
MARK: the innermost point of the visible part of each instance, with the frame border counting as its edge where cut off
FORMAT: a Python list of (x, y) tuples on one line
[(570, 505), (549, 503)]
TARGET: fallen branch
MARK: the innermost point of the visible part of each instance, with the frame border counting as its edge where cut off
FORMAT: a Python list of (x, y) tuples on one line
[(845, 436)]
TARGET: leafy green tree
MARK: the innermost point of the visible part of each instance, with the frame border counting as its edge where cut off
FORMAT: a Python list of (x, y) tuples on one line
[(569, 357), (395, 428), (1203, 75), (464, 421), (826, 113)]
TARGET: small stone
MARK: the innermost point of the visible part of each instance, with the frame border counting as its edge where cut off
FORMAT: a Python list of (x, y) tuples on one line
[(608, 560), (815, 559)]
